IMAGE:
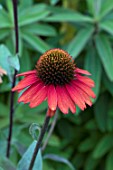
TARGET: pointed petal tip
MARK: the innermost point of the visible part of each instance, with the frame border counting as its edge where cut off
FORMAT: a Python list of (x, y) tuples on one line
[(65, 113), (50, 112), (52, 97), (31, 106), (19, 100), (13, 89), (26, 73), (81, 71)]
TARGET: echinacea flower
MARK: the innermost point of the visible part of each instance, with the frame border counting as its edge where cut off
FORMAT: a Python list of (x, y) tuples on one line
[(57, 79), (2, 72)]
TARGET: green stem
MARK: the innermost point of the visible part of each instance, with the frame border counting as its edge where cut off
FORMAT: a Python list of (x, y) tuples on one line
[(43, 130)]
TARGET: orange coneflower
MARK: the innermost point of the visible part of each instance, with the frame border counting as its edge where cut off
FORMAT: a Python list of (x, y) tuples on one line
[(2, 72), (57, 79)]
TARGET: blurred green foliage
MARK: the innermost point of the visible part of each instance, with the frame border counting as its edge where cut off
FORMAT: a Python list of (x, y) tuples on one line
[(84, 28)]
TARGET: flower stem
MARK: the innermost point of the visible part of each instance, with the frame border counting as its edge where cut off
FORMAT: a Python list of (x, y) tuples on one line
[(50, 131), (43, 130), (14, 79)]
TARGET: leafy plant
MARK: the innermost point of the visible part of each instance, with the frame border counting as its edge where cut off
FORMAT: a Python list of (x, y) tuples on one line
[(85, 30)]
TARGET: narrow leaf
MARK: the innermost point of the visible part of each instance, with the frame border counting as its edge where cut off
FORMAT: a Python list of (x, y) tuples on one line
[(88, 144), (106, 54), (94, 6), (35, 42), (6, 23), (79, 41), (107, 6), (109, 161), (68, 17), (100, 111), (10, 11), (94, 68), (40, 29), (4, 33), (104, 145), (14, 62), (107, 26), (6, 164), (4, 56), (91, 163), (25, 160), (59, 159), (108, 84), (32, 14)]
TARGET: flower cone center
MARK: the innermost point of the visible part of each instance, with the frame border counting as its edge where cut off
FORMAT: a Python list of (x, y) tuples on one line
[(55, 67)]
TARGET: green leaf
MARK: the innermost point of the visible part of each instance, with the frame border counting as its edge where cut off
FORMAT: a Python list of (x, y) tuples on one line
[(110, 124), (53, 2), (40, 29), (79, 41), (10, 60), (4, 56), (4, 110), (25, 59), (88, 144), (54, 141), (106, 54), (91, 125), (103, 146), (4, 123), (101, 112), (10, 11), (59, 159), (92, 61), (106, 7), (91, 163), (6, 164), (32, 14), (19, 147), (94, 6), (6, 23), (107, 26), (5, 87), (109, 161), (108, 84), (25, 160), (90, 4), (35, 42), (14, 62), (3, 147), (25, 3), (59, 10), (68, 17), (4, 33)]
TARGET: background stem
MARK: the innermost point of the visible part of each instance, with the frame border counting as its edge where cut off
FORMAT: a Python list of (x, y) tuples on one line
[(43, 130), (14, 78)]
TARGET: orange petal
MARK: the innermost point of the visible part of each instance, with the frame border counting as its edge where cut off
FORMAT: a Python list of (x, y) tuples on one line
[(52, 97), (75, 96), (68, 100), (28, 94), (26, 73), (85, 97), (85, 88), (61, 100), (86, 80), (81, 71), (27, 81), (39, 97)]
